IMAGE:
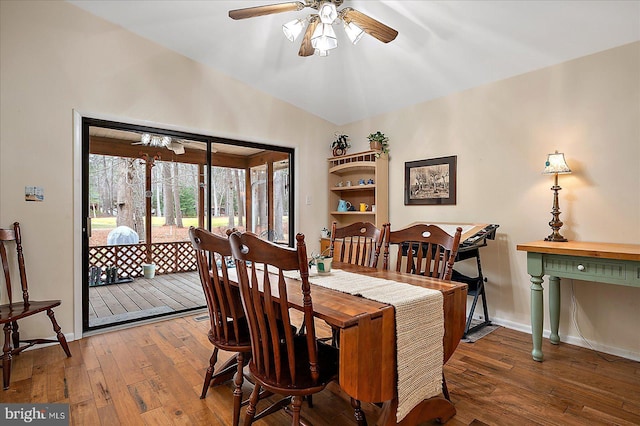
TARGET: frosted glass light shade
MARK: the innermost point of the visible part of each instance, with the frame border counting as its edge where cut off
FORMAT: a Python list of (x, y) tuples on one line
[(155, 140), (324, 38), (556, 164), (353, 31), (292, 29), (327, 12)]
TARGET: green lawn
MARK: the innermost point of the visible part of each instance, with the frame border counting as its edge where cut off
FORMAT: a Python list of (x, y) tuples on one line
[(110, 222)]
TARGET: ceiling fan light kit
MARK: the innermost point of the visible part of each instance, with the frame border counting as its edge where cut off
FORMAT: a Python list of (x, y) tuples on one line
[(324, 38), (155, 140), (319, 36), (327, 12), (161, 141), (353, 31), (292, 29)]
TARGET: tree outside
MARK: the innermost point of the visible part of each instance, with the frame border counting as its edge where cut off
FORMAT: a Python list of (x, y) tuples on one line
[(117, 198)]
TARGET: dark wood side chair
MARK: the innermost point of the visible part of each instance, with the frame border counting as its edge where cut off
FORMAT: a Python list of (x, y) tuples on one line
[(12, 312), (424, 250), (229, 329), (358, 243), (284, 362)]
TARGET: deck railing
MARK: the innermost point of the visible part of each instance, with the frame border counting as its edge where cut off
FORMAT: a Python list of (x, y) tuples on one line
[(128, 258)]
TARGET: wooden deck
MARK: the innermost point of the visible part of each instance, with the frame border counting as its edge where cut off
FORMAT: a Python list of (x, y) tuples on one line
[(143, 298)]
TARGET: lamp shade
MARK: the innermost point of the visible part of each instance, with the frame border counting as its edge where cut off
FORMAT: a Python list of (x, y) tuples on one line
[(324, 38), (292, 29), (556, 164), (327, 12), (155, 140), (353, 31)]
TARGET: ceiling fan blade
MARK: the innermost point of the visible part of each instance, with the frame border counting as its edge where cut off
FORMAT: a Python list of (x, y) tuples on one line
[(176, 147), (250, 12), (369, 25), (306, 49)]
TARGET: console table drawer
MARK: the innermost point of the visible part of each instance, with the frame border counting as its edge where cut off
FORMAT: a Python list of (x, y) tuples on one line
[(589, 269)]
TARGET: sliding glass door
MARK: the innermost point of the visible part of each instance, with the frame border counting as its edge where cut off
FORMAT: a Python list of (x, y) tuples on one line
[(142, 190)]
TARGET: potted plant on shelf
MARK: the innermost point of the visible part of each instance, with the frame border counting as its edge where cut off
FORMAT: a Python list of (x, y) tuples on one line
[(340, 145), (378, 141)]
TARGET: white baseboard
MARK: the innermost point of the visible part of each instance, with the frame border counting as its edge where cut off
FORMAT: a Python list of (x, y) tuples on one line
[(572, 340)]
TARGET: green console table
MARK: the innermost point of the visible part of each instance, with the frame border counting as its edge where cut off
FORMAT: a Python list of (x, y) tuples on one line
[(599, 262)]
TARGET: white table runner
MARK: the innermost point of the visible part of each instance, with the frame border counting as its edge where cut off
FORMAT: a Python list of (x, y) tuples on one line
[(419, 330)]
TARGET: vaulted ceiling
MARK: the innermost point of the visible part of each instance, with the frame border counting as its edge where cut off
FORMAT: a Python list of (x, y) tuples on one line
[(443, 47)]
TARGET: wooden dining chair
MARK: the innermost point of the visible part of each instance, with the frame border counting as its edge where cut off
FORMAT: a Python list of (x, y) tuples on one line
[(12, 312), (424, 250), (229, 328), (284, 362), (358, 243)]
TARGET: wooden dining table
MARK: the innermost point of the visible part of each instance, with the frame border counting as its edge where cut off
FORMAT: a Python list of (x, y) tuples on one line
[(368, 339)]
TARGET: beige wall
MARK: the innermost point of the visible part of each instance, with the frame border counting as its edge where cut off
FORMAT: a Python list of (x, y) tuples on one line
[(588, 108), (56, 58)]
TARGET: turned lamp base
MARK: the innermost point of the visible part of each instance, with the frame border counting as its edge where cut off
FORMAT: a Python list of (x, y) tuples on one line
[(555, 223), (556, 164), (556, 237)]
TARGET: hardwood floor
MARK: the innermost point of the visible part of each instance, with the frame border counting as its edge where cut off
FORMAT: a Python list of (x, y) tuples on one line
[(152, 374)]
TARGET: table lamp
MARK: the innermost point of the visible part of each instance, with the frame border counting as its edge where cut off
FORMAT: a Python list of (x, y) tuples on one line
[(555, 165)]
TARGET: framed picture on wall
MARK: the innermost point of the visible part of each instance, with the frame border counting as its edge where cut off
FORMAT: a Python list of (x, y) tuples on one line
[(431, 182)]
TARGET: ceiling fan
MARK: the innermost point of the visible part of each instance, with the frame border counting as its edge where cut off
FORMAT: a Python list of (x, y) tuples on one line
[(319, 36), (160, 141)]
